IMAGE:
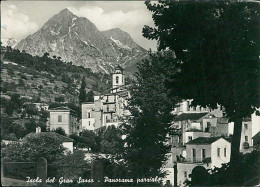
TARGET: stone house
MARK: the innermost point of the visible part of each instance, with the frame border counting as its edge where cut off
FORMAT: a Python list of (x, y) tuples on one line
[(207, 152), (109, 108), (65, 118)]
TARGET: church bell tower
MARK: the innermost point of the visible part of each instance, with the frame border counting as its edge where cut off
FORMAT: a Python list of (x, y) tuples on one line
[(118, 77)]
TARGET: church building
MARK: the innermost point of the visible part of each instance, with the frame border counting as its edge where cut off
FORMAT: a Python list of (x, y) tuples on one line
[(108, 108)]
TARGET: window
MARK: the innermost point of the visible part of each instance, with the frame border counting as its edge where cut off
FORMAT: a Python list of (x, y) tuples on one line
[(88, 115), (185, 174), (194, 154), (218, 151), (225, 152), (246, 138), (59, 118), (203, 153), (189, 138), (117, 79), (107, 108), (178, 139), (208, 127), (89, 123), (246, 126)]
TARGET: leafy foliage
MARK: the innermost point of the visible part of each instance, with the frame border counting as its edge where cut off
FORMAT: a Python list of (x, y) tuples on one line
[(111, 142), (217, 53), (33, 147), (59, 99), (146, 131), (217, 50), (64, 71), (73, 166), (90, 96), (60, 131), (82, 91)]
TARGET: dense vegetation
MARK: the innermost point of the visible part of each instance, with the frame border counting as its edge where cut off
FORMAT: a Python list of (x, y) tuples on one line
[(216, 48), (28, 79), (147, 129), (65, 71)]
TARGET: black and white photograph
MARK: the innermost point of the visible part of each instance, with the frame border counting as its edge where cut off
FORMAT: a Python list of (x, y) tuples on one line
[(130, 93)]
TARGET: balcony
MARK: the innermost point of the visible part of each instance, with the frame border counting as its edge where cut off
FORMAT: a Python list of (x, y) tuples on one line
[(193, 160)]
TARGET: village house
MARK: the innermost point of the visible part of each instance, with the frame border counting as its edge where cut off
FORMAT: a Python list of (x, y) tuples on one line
[(246, 136), (185, 107), (109, 108), (65, 118), (207, 152)]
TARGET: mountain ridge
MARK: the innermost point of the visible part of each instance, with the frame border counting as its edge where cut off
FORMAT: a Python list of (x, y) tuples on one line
[(77, 40)]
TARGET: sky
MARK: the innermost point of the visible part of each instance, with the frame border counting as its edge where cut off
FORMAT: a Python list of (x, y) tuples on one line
[(22, 18)]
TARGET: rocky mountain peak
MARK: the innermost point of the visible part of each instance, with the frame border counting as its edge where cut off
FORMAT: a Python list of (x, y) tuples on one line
[(123, 37), (78, 40)]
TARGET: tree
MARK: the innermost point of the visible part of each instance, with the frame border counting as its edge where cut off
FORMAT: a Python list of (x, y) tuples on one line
[(30, 126), (217, 52), (59, 99), (31, 109), (89, 140), (21, 82), (79, 169), (82, 91), (60, 131), (15, 98), (112, 142), (147, 129), (10, 72), (34, 146), (9, 108), (90, 96), (40, 87), (78, 140)]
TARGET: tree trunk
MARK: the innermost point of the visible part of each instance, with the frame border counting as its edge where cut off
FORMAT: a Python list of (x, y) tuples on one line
[(235, 163)]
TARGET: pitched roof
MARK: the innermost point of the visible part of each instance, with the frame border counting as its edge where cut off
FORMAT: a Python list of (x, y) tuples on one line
[(190, 116), (53, 134), (63, 108), (203, 140), (256, 135)]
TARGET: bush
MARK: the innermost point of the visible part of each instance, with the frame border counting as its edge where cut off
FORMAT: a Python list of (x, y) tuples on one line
[(60, 131), (34, 146), (73, 166), (59, 99)]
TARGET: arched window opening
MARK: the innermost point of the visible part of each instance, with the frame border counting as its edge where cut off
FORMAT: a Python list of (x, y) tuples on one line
[(117, 79)]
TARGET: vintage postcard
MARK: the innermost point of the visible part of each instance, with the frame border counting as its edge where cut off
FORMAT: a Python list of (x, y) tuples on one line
[(130, 93)]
